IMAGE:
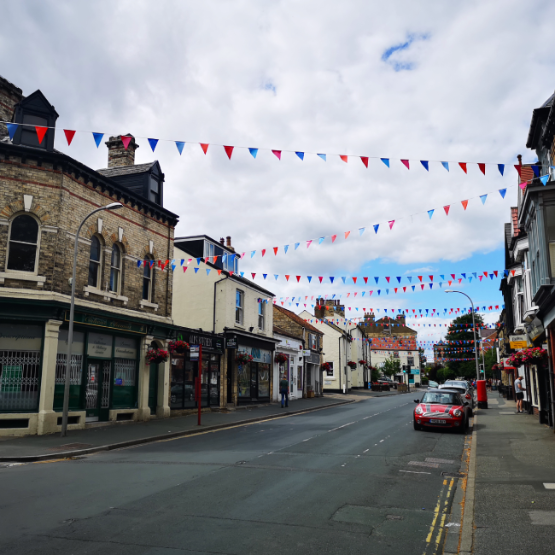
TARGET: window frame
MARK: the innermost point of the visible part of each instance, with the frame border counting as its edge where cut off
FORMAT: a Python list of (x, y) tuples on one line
[(150, 278), (261, 314), (37, 245), (118, 269), (240, 307), (99, 262)]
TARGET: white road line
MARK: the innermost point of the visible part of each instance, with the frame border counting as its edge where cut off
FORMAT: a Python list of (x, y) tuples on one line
[(366, 450), (381, 440), (413, 472)]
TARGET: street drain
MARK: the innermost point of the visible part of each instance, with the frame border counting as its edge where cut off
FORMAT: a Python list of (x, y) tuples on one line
[(453, 475)]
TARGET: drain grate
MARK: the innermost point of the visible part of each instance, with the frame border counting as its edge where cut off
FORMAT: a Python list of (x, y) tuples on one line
[(453, 475), (440, 461), (426, 464), (68, 446)]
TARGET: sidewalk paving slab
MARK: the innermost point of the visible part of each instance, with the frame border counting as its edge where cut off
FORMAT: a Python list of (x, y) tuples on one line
[(125, 434)]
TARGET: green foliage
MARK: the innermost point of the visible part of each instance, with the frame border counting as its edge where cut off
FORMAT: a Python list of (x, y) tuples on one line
[(445, 374), (465, 369), (375, 375), (490, 358), (391, 366)]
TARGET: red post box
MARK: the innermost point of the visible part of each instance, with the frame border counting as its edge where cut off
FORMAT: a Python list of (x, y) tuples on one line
[(482, 394)]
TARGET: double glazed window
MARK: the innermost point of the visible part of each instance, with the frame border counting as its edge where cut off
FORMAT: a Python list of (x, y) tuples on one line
[(95, 263), (154, 190), (148, 281), (115, 270), (239, 306), (23, 245)]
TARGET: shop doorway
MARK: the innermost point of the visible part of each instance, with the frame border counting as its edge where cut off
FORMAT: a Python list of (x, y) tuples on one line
[(97, 390), (153, 388)]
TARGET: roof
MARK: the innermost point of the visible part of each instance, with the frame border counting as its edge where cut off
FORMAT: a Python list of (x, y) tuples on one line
[(394, 344), (281, 331), (372, 327), (484, 333), (296, 318), (126, 170), (539, 115), (187, 238)]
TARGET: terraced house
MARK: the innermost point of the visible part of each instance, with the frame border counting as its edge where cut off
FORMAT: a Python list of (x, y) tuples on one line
[(121, 309)]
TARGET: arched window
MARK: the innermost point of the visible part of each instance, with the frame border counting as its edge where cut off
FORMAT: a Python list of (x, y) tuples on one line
[(148, 281), (24, 243), (95, 262), (115, 270)]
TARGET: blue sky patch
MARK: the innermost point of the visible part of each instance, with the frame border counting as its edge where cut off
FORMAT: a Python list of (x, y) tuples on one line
[(391, 58)]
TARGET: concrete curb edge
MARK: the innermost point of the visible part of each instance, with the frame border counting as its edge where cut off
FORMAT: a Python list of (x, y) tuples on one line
[(152, 439)]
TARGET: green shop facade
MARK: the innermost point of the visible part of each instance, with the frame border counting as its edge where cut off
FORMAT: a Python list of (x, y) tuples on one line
[(109, 378)]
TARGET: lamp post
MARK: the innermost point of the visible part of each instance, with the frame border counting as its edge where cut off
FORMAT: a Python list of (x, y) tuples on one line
[(473, 328), (111, 206)]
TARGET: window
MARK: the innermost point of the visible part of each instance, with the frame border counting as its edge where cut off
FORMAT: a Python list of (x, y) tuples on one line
[(330, 371), (115, 270), (230, 262), (312, 341), (154, 190), (148, 281), (23, 249), (261, 314), (239, 304), (550, 235), (209, 249), (95, 263), (28, 132)]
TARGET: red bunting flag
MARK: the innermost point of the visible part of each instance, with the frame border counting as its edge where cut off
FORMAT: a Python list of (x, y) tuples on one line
[(422, 286), (406, 163), (404, 289), (263, 252), (126, 139), (446, 208), (333, 238), (347, 233), (391, 222), (464, 203), (432, 279), (495, 273), (308, 243), (275, 250), (395, 289), (482, 168), (449, 282), (387, 279), (214, 259), (463, 166), (298, 278), (355, 280), (228, 151), (364, 160), (453, 276), (185, 269), (518, 168), (41, 132), (344, 158), (486, 274), (320, 278), (204, 147), (287, 277), (365, 280), (253, 274), (277, 153), (219, 272), (420, 278), (69, 135)]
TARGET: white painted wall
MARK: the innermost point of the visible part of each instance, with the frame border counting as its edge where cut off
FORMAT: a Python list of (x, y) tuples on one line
[(293, 348)]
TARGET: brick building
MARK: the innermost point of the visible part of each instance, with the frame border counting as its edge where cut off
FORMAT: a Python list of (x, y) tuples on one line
[(121, 310)]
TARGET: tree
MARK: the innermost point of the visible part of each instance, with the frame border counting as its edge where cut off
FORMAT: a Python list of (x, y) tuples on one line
[(445, 374), (460, 345), (391, 366), (375, 374)]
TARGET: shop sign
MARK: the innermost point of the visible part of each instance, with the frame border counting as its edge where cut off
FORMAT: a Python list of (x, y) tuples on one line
[(231, 343), (20, 337), (306, 353), (208, 342), (99, 346), (535, 329), (314, 358), (110, 323), (125, 347), (518, 341), (78, 344), (119, 381), (194, 352)]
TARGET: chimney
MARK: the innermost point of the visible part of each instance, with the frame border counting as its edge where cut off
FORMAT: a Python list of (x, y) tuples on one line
[(228, 243), (401, 319), (519, 158), (329, 308), (222, 241), (118, 155), (10, 95)]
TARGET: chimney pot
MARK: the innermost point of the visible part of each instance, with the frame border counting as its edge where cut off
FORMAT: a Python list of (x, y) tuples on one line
[(118, 155), (519, 158), (228, 241)]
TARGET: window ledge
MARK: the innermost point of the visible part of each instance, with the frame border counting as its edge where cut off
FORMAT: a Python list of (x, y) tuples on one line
[(22, 276), (146, 304), (106, 295)]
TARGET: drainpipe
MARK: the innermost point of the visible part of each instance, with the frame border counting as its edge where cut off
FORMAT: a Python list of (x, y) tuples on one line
[(339, 369), (214, 305)]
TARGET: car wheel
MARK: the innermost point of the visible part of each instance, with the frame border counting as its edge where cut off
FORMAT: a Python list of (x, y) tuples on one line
[(417, 426)]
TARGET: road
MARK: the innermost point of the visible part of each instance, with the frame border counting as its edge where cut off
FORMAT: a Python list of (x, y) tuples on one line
[(334, 481)]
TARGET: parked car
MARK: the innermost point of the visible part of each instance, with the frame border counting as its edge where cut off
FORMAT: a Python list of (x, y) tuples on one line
[(388, 381), (442, 408), (432, 384), (463, 389)]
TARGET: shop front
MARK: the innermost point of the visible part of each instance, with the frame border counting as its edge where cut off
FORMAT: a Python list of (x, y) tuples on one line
[(185, 371), (313, 374), (288, 364)]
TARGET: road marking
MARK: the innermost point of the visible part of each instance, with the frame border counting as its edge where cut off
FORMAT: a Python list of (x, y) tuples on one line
[(418, 463), (440, 461), (414, 472), (549, 485), (366, 450), (381, 440)]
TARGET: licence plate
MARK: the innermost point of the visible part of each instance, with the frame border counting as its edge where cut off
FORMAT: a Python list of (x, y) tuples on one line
[(435, 421)]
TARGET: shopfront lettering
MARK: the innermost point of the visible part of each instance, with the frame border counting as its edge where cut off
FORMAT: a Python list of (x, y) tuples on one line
[(109, 323)]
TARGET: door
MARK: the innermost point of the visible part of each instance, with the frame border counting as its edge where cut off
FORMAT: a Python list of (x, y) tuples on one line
[(153, 388), (97, 390)]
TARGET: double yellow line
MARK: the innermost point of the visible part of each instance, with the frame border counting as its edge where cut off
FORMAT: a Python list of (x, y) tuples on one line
[(440, 514)]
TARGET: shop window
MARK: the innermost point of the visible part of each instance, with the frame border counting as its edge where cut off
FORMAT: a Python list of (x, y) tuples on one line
[(148, 281), (115, 270), (239, 306), (95, 262), (261, 314), (23, 244)]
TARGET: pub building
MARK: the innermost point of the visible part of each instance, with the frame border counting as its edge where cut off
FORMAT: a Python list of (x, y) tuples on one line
[(184, 371)]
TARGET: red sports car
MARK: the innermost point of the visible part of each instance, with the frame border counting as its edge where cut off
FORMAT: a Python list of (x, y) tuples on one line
[(442, 409)]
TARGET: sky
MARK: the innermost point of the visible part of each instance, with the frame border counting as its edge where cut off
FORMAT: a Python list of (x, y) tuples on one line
[(427, 80)]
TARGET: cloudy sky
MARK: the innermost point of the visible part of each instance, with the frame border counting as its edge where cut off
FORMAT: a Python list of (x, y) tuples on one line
[(426, 80)]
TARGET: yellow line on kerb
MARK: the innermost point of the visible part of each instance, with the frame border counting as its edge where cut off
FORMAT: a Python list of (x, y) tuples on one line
[(437, 512)]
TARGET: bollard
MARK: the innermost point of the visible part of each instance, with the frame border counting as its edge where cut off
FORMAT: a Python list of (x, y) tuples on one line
[(482, 394)]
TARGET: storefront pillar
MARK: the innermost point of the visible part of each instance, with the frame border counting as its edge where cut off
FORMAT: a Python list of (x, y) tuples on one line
[(143, 414), (163, 401), (47, 418)]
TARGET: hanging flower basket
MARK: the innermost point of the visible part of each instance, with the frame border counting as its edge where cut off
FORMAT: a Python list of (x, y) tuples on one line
[(352, 364), (326, 366), (242, 358), (363, 362), (178, 347), (534, 355), (156, 356), (280, 358)]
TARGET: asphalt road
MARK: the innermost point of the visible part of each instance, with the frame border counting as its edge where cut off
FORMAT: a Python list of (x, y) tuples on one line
[(334, 481)]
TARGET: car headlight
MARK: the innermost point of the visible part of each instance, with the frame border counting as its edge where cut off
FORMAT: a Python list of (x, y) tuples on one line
[(418, 410), (457, 413)]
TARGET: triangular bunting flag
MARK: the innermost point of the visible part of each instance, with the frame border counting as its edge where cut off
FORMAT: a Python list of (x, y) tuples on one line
[(482, 168), (12, 128), (69, 135), (463, 166), (518, 168), (364, 160), (502, 192), (277, 154), (431, 213), (544, 179), (536, 170), (333, 238), (228, 151), (320, 240), (308, 243), (406, 164), (376, 227), (153, 143), (445, 165), (180, 145), (446, 208), (204, 147), (126, 139), (41, 132), (286, 248), (385, 161), (501, 168), (344, 158), (391, 223), (361, 231), (347, 233), (253, 151), (300, 155), (275, 250), (464, 203), (483, 198), (425, 164), (322, 156), (97, 138)]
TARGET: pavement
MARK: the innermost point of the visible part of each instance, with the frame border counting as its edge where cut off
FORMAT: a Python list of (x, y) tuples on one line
[(354, 478), (125, 434), (505, 501)]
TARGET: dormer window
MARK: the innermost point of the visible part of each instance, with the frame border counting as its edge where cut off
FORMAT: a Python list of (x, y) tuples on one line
[(154, 190)]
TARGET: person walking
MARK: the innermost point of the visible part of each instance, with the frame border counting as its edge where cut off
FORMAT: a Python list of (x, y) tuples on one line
[(284, 390), (519, 394)]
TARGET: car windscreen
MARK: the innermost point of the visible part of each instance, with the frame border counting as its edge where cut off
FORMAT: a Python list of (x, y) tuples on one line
[(457, 384), (442, 398)]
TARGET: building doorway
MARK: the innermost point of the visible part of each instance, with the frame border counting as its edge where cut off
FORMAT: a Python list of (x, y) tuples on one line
[(97, 390)]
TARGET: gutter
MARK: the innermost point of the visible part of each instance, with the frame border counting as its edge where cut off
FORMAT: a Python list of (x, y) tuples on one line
[(214, 305)]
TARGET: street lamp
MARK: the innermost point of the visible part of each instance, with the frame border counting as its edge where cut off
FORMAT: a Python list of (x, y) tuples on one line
[(111, 206), (473, 328)]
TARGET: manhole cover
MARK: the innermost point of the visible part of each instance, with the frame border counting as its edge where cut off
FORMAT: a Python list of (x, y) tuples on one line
[(69, 446), (453, 475)]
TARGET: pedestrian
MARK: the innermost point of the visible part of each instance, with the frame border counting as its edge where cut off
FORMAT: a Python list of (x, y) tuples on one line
[(284, 390), (519, 394)]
